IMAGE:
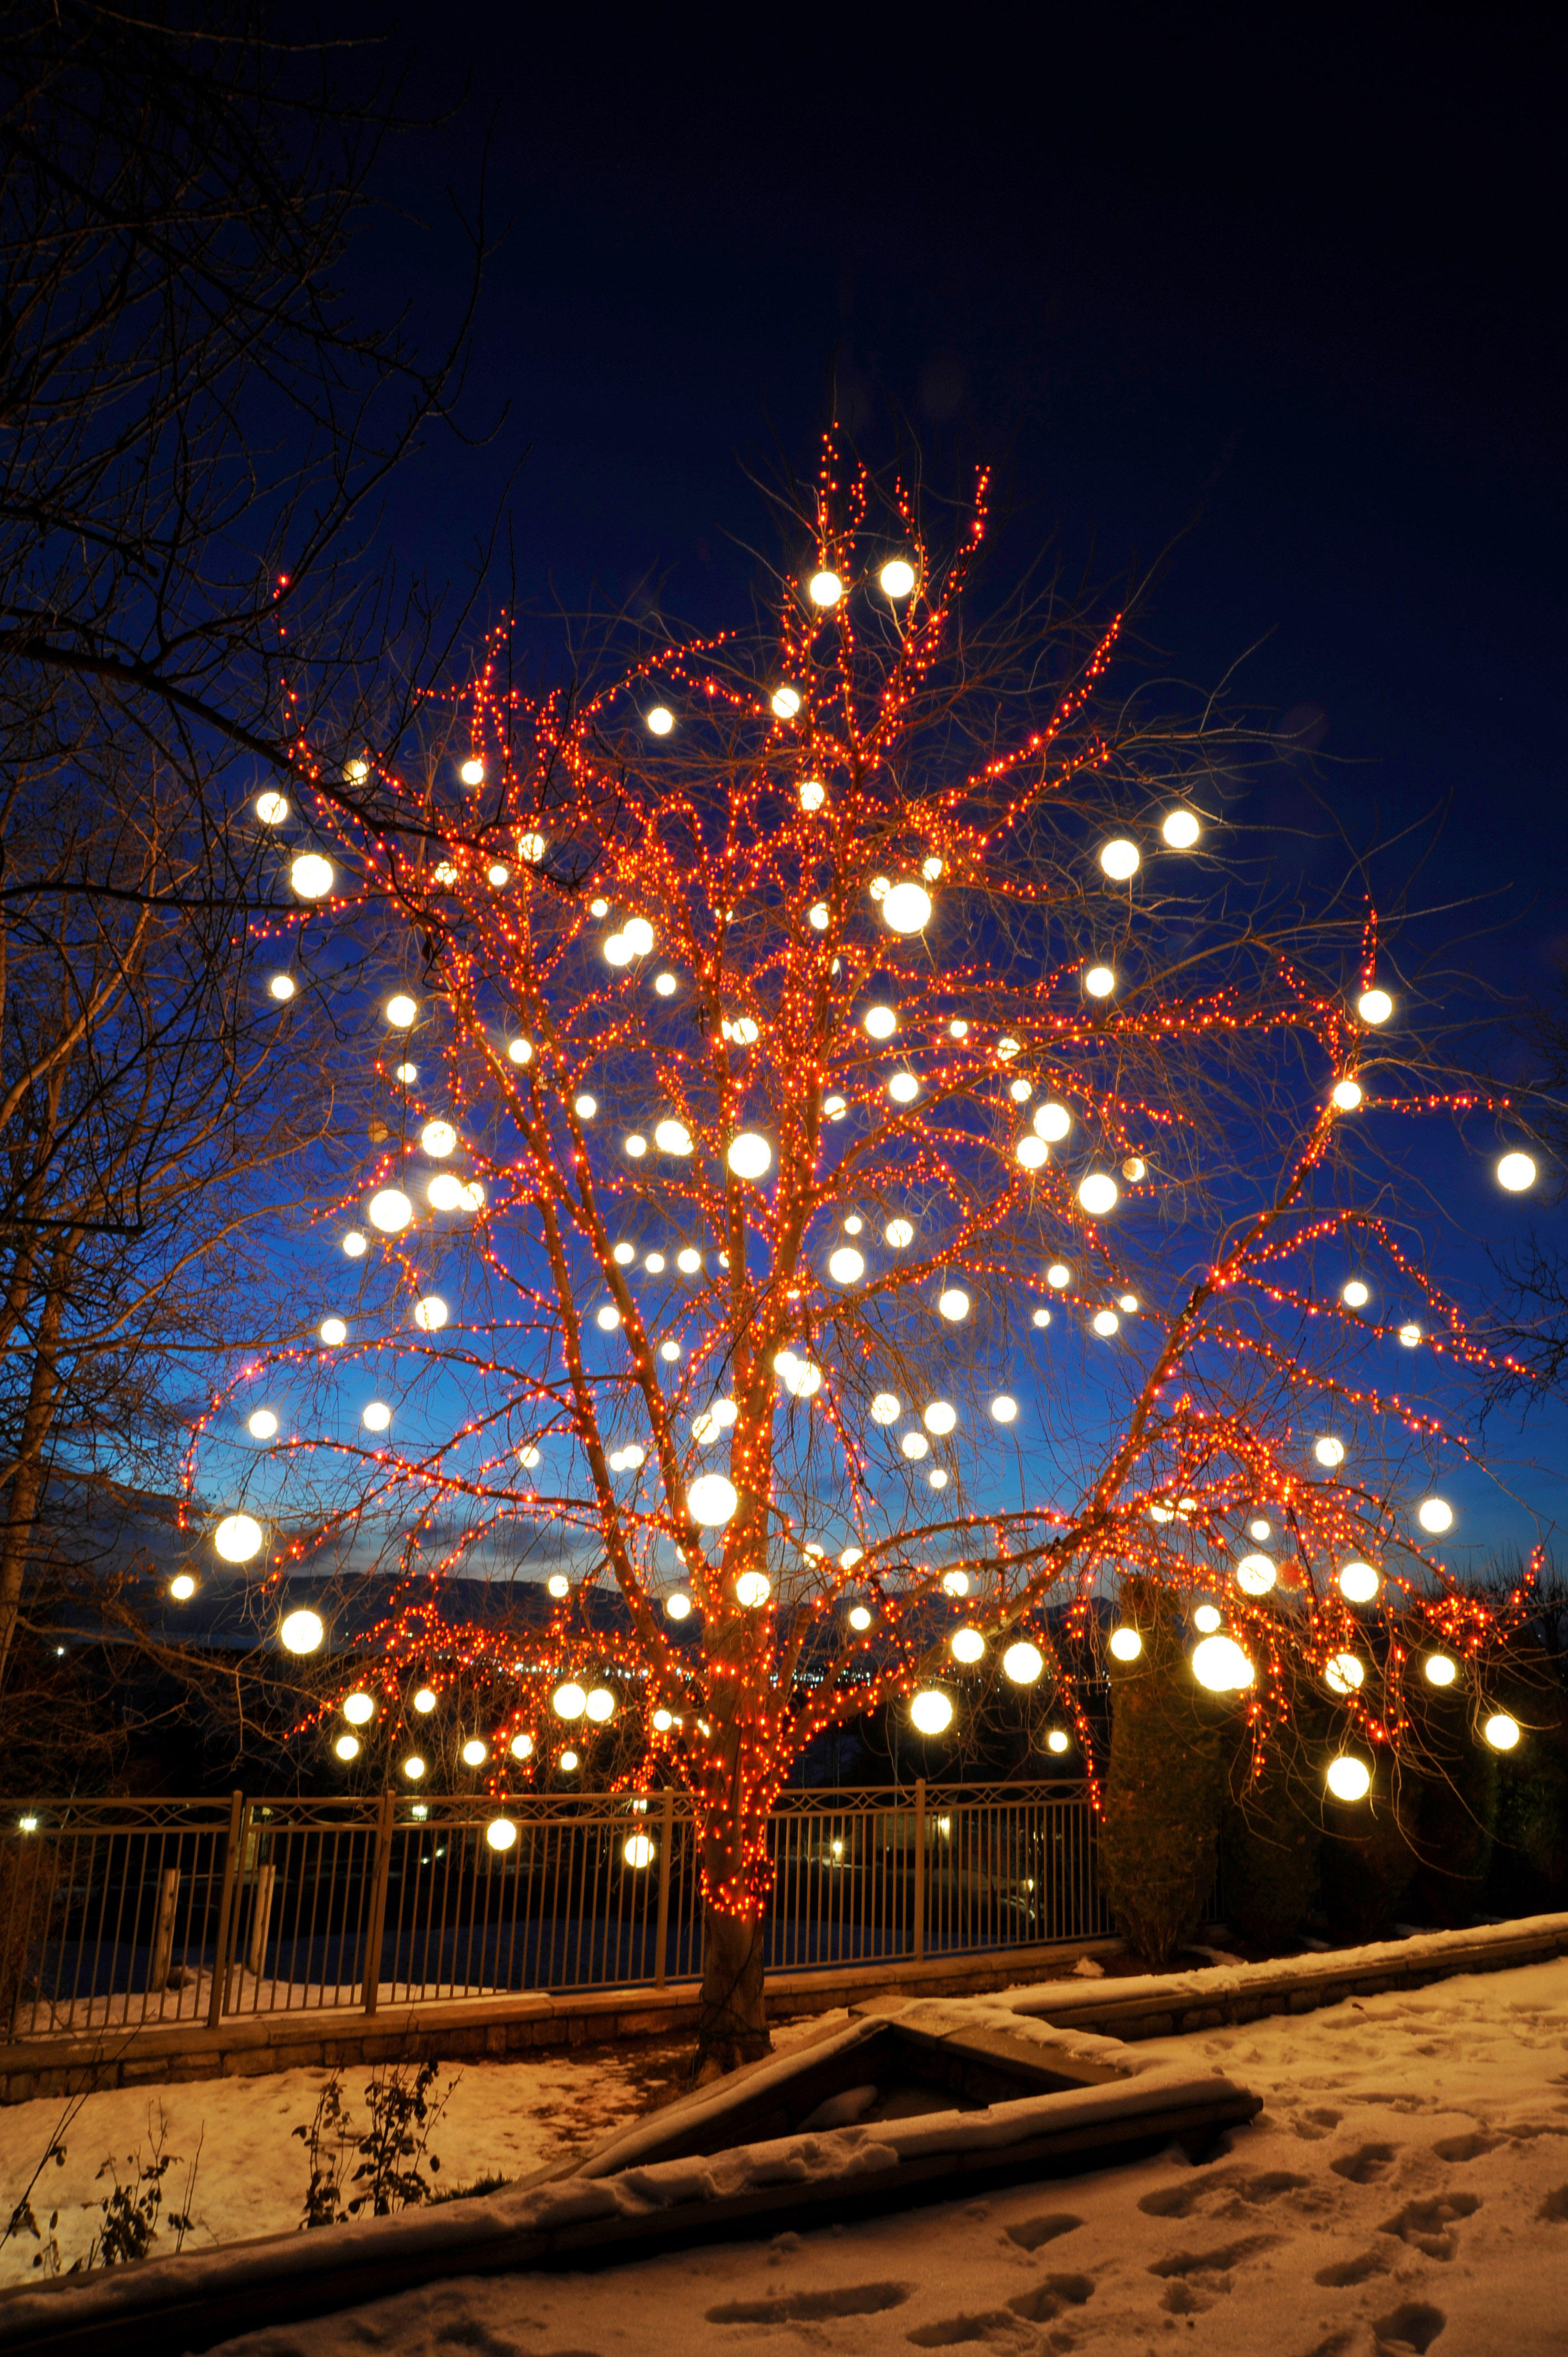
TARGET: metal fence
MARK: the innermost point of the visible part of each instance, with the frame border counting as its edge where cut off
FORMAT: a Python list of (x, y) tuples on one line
[(116, 1914)]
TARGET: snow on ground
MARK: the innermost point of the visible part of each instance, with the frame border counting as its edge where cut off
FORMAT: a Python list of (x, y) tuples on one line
[(1405, 2187), (503, 2119)]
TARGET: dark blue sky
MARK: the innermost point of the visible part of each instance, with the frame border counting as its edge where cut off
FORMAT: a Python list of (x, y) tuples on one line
[(1289, 287)]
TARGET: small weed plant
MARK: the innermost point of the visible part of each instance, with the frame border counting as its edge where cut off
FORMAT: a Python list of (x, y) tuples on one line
[(370, 2169)]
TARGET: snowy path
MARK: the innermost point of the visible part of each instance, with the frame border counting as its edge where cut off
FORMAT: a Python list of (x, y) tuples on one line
[(1406, 2185)]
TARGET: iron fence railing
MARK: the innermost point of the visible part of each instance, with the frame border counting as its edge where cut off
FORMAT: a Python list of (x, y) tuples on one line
[(117, 1913)]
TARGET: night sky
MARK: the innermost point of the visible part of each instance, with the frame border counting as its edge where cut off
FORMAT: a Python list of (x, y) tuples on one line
[(1283, 295)]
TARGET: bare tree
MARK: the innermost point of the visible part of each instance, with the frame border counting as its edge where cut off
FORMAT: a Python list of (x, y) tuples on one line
[(872, 1164)]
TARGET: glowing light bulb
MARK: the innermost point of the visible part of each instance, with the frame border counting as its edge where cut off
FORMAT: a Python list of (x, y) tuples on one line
[(1106, 1323), (845, 1265), (1023, 1664), (678, 1606), (238, 1538), (182, 1587), (413, 1767), (1220, 1664), (903, 1088), (500, 1833), (1126, 1644), (817, 915), (1121, 859), (885, 1408), (967, 1645), (1099, 981), (358, 1709), (347, 1747), (521, 1052), (1135, 1168), (569, 1700), (1516, 1172), (688, 1261), (585, 1106), (1041, 1318), (601, 1704), (825, 589), (661, 720), (261, 1425), (607, 1318), (897, 578), (907, 908), (939, 1417), (1255, 1575), (1004, 1409), (665, 984), (1059, 1275), (1055, 1741), (899, 1234), (671, 1136), (332, 1331), (1329, 1451), (812, 794), (1344, 1675), (1374, 1007), (391, 1210), (376, 1416), (711, 1502), (1434, 1514), (955, 1583), (476, 1751), (1349, 1779), (1180, 830), (1501, 1731), (1441, 1669), (272, 809), (558, 1585), (916, 1444), (1032, 1153), (472, 771), (1346, 1095), (354, 1244), (424, 1701), (498, 875), (1410, 1336), (282, 986), (438, 1139), (1355, 1295), (750, 1155), (880, 1022), (1359, 1583), (752, 1589), (1051, 1122), (786, 703), (522, 1747), (1099, 1193), (402, 1011), (1206, 1620), (311, 876), (302, 1632), (953, 1304), (430, 1314), (931, 1711), (859, 1617), (445, 1191)]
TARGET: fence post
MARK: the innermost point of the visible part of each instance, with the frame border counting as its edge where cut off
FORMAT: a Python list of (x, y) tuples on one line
[(377, 1924), (919, 1924), (666, 1867), (220, 1996), (163, 1929), (261, 1917)]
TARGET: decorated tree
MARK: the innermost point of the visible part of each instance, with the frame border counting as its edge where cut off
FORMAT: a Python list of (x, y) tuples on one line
[(872, 1160)]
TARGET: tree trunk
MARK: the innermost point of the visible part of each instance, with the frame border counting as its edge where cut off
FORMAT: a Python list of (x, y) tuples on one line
[(731, 2026), (28, 1477)]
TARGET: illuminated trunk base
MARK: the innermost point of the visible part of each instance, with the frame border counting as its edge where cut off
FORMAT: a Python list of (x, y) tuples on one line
[(731, 2026)]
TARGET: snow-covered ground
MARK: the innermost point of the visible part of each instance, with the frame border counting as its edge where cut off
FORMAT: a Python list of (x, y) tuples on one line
[(1405, 2187)]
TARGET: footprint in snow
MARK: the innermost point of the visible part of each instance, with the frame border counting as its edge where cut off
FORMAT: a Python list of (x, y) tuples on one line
[(1030, 2233), (814, 2307), (1425, 2226), (1366, 2164), (1353, 2271), (996, 2325), (1466, 2147), (1410, 2330), (1180, 2201)]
